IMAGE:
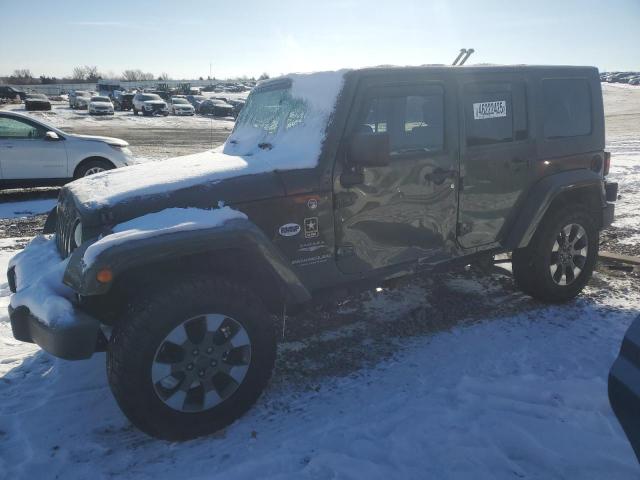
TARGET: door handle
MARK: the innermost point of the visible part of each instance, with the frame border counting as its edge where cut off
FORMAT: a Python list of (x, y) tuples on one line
[(439, 175)]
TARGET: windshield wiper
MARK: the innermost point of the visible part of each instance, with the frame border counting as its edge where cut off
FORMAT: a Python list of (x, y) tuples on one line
[(265, 146)]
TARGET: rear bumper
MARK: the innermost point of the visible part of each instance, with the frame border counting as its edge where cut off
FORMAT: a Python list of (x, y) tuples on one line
[(611, 195), (72, 341)]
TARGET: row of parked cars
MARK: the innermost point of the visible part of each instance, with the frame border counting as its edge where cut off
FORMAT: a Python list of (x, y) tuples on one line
[(152, 103), (632, 78)]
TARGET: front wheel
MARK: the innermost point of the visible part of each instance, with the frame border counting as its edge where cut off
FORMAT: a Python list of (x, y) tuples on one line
[(561, 256), (92, 167), (190, 358), (135, 111)]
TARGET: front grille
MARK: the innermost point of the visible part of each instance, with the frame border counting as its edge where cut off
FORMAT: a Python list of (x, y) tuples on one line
[(67, 217)]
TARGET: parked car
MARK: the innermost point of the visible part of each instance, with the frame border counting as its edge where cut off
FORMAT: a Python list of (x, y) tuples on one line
[(34, 153), (624, 386), (215, 107), (100, 106), (238, 105), (181, 106), (196, 100), (79, 99), (11, 93), (123, 101), (329, 182), (149, 104), (36, 101)]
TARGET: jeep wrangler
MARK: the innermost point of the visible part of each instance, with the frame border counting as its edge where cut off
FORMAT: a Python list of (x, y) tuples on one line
[(329, 181)]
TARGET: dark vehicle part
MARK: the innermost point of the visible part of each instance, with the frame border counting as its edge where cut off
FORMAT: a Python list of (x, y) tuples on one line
[(11, 93), (191, 357), (36, 101), (624, 386)]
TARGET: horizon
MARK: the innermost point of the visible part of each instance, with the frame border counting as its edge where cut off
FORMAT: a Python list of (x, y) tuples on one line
[(305, 36)]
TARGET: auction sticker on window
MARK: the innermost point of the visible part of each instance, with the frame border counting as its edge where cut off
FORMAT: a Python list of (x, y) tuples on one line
[(484, 110)]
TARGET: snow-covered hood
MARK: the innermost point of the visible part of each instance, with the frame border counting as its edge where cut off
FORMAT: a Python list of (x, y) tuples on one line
[(171, 178), (110, 140)]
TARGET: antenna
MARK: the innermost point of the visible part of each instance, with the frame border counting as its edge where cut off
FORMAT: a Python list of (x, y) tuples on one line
[(462, 52), (466, 57)]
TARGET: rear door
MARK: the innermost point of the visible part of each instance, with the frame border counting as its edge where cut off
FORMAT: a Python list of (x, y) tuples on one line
[(26, 154), (497, 154), (404, 212)]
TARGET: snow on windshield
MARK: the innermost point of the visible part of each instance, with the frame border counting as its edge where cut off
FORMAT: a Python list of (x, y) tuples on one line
[(292, 144), (285, 122)]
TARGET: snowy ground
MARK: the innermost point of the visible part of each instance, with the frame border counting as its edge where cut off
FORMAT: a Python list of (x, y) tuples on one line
[(452, 376)]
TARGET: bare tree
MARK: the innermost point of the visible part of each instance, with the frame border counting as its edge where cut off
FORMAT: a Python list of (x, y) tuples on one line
[(24, 73), (147, 76), (131, 75), (164, 76), (79, 73), (91, 73), (264, 76)]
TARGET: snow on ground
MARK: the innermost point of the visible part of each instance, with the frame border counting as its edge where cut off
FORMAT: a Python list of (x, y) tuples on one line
[(26, 208), (518, 391)]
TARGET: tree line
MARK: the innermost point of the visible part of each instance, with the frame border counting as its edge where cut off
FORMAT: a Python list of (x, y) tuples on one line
[(91, 74)]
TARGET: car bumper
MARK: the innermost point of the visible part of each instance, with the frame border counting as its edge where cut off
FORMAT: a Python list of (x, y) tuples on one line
[(611, 195), (68, 332), (72, 341), (184, 113)]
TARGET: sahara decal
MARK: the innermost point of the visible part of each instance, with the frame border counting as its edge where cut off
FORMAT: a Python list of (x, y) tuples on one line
[(289, 230)]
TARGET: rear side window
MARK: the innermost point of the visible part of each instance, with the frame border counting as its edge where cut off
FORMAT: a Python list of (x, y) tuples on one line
[(567, 108), (413, 122), (495, 113)]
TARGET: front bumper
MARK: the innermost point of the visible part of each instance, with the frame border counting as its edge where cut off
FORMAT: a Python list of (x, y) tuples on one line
[(101, 112), (71, 341), (43, 310)]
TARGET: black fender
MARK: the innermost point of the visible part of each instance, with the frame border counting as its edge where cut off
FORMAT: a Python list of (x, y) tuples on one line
[(234, 234), (540, 198)]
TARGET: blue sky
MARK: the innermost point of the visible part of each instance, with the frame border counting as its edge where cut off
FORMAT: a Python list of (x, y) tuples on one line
[(251, 37)]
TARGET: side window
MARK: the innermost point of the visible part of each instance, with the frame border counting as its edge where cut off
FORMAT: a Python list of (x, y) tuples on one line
[(413, 122), (16, 129), (495, 113), (567, 108)]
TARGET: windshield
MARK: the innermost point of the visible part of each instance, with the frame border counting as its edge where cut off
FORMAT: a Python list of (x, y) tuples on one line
[(179, 101), (150, 96), (37, 96), (101, 99), (83, 94), (270, 110)]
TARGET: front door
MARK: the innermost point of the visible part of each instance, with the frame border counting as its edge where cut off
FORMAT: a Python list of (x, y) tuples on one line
[(404, 212), (25, 153)]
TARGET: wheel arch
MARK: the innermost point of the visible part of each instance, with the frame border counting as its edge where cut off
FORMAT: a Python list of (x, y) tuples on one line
[(236, 249), (583, 187), (84, 161)]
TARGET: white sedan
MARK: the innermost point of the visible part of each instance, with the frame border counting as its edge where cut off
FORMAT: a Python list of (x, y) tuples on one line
[(100, 106), (33, 153), (181, 106)]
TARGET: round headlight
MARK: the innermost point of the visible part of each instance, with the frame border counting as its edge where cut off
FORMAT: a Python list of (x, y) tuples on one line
[(77, 234)]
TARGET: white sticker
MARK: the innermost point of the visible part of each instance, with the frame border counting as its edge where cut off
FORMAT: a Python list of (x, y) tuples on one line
[(484, 110), (311, 227), (289, 230)]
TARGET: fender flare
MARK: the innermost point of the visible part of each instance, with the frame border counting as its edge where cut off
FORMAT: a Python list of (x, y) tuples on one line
[(540, 198), (239, 234)]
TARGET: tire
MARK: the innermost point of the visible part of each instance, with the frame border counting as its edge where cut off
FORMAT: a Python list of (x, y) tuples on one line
[(140, 338), (135, 111), (533, 266), (93, 166)]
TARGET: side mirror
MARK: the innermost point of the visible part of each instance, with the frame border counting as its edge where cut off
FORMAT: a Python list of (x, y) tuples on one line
[(51, 136), (370, 150)]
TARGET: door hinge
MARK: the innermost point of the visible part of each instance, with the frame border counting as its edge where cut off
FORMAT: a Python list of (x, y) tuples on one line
[(463, 228)]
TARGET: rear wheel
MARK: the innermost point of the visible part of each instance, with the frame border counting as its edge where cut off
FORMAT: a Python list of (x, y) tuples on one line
[(190, 358), (561, 256)]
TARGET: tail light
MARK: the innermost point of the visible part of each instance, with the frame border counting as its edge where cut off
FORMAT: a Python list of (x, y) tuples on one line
[(607, 163)]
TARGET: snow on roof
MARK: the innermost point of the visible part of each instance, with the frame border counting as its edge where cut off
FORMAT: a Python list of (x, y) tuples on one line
[(170, 220), (296, 147)]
